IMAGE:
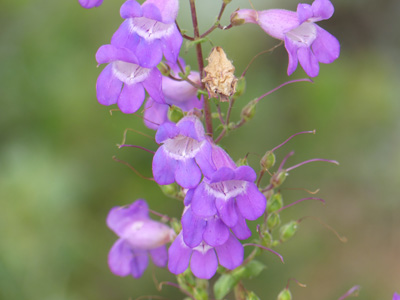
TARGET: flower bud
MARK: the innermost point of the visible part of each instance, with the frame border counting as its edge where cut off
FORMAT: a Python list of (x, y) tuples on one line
[(240, 87), (285, 295), (268, 161), (278, 178), (275, 202), (288, 230), (164, 69), (175, 114), (266, 239), (171, 190), (273, 220), (249, 110), (251, 296)]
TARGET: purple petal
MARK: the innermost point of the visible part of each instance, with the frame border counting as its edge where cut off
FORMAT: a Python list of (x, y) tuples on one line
[(204, 265), (152, 84), (252, 203), (216, 233), (291, 48), (204, 160), (119, 258), (139, 262), (125, 38), (131, 98), (304, 12), (172, 45), (108, 87), (161, 10), (192, 228), (227, 211), (230, 254), (90, 3), (308, 61), (396, 296), (187, 174), (191, 127), (178, 256), (203, 203), (221, 158), (223, 174), (110, 53), (130, 9), (241, 230), (155, 114), (188, 197), (120, 217), (325, 47), (159, 256), (276, 22), (322, 9), (166, 131), (245, 173), (163, 167), (149, 53)]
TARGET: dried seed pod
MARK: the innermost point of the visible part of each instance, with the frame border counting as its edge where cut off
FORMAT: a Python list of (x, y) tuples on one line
[(219, 75)]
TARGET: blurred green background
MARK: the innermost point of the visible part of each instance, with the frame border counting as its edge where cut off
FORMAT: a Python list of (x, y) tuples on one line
[(58, 181)]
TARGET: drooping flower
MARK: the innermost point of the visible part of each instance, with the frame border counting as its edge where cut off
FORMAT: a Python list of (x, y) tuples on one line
[(138, 237), (305, 41), (90, 3), (124, 81), (185, 154), (229, 192), (179, 93), (203, 258), (150, 30)]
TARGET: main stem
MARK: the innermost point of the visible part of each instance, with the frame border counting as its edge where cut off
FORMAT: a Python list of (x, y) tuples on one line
[(199, 51)]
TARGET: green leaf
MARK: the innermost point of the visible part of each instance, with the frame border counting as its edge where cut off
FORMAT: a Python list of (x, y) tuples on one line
[(224, 285), (252, 269)]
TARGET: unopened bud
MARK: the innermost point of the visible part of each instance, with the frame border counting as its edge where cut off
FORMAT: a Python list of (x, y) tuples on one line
[(249, 110), (266, 239), (273, 220), (278, 178), (175, 114), (164, 69), (242, 162), (275, 202), (171, 190), (240, 87), (220, 79), (251, 296), (267, 161), (285, 295), (288, 230)]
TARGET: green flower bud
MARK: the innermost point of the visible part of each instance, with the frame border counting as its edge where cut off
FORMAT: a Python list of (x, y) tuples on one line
[(251, 296), (285, 295), (240, 87), (249, 110), (266, 239), (164, 69), (275, 202), (273, 220), (267, 161), (278, 178), (242, 162), (175, 114), (288, 230)]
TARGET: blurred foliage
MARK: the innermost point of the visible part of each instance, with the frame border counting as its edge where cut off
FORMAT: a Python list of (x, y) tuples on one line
[(58, 181)]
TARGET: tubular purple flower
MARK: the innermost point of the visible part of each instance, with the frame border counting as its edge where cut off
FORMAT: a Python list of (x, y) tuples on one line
[(90, 3), (138, 237), (124, 80), (230, 192), (396, 296), (150, 30), (184, 155), (305, 41), (203, 258)]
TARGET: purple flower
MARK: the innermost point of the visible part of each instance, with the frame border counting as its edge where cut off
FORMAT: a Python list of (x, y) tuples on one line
[(179, 93), (124, 81), (138, 237), (305, 41), (396, 296), (229, 192), (184, 155), (203, 258), (150, 31), (90, 3)]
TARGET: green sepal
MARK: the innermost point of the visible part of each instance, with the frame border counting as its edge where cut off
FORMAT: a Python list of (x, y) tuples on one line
[(288, 230), (273, 220), (285, 295), (240, 87), (275, 202), (252, 296), (175, 114), (224, 285), (267, 161)]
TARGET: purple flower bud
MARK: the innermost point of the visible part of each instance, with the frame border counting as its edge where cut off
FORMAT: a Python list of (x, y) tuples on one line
[(138, 237), (184, 155), (203, 258), (124, 81), (150, 31), (229, 192), (90, 3), (305, 41)]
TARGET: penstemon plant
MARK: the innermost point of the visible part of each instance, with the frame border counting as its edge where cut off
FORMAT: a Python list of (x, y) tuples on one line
[(183, 107)]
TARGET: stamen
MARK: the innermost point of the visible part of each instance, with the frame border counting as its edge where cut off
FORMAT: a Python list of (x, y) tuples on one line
[(265, 248), (301, 132), (343, 239), (298, 201), (284, 160), (132, 168), (351, 292), (282, 85), (311, 160)]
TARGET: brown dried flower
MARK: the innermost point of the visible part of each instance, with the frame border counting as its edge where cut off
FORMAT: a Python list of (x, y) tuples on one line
[(220, 79)]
